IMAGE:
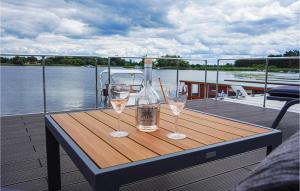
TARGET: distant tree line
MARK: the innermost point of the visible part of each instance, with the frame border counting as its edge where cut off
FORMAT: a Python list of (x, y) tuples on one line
[(73, 61), (82, 61), (166, 63), (163, 63), (158, 63), (282, 63), (19, 60)]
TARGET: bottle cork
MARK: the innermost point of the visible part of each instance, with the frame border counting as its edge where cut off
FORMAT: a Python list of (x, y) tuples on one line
[(147, 61)]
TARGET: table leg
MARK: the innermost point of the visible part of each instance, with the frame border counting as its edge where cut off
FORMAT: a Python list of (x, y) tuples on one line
[(53, 162), (269, 149), (275, 143)]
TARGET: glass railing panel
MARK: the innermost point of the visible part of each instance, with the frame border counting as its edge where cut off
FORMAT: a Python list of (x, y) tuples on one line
[(282, 72), (102, 81), (21, 85), (192, 73), (124, 70), (242, 81), (164, 74), (70, 83), (212, 78), (165, 70)]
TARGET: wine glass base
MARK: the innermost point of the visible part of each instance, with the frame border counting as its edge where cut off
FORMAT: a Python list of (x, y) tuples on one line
[(119, 134), (176, 136)]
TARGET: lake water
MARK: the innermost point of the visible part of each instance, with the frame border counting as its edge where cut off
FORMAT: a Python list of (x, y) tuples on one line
[(73, 87)]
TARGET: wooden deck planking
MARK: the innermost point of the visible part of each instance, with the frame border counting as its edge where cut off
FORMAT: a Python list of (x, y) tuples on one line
[(33, 127)]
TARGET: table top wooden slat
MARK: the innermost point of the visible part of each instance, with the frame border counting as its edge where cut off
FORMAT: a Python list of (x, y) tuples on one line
[(234, 124), (188, 143), (98, 150), (218, 126), (151, 142), (201, 128), (90, 130), (220, 134), (129, 148), (191, 134)]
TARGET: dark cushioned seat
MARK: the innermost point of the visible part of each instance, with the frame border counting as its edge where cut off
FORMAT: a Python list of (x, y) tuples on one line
[(285, 91), (278, 171)]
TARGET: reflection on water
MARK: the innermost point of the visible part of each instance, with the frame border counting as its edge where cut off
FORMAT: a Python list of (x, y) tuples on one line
[(72, 87)]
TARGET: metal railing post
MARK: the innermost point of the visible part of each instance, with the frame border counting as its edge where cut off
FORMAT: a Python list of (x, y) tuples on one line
[(217, 82), (44, 85), (177, 72), (266, 82), (96, 78), (109, 81), (108, 67), (205, 80)]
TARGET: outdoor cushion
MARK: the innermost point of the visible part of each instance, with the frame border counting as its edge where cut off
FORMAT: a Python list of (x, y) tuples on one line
[(278, 171), (285, 91)]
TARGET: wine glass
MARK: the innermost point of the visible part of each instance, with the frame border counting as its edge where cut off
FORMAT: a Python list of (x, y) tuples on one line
[(119, 95), (177, 96)]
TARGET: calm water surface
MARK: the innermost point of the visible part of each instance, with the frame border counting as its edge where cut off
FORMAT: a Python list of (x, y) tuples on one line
[(70, 87)]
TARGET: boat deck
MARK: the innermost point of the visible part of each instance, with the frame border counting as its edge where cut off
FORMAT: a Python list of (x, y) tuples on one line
[(23, 159), (258, 100)]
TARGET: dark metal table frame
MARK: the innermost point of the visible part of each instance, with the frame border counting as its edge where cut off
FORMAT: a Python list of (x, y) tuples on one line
[(113, 178)]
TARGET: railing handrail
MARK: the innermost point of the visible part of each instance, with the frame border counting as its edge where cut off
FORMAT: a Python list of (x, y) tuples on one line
[(151, 57), (263, 58), (160, 57), (52, 55), (102, 56)]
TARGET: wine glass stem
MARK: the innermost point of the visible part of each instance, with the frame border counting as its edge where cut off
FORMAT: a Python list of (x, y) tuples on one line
[(119, 116), (176, 123)]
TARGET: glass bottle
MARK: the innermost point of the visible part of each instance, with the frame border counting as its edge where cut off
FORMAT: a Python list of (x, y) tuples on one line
[(147, 101)]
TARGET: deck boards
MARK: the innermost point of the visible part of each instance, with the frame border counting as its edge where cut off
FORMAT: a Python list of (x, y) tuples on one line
[(29, 129)]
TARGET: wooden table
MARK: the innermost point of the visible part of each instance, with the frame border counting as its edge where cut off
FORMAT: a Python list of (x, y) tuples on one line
[(108, 163)]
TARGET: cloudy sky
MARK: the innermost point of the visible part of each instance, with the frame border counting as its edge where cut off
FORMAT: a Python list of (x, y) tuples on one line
[(191, 28)]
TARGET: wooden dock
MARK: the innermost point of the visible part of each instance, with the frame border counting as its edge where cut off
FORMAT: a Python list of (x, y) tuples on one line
[(23, 157)]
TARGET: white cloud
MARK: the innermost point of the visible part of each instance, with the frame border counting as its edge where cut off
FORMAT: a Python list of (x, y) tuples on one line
[(193, 28), (73, 27)]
